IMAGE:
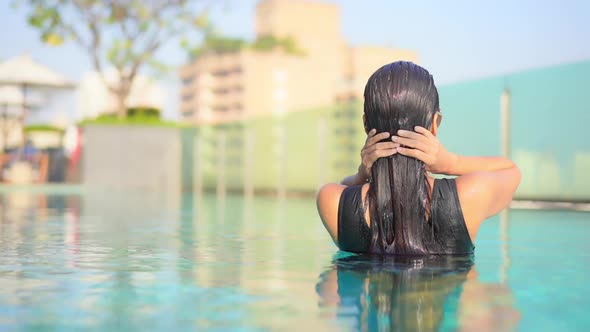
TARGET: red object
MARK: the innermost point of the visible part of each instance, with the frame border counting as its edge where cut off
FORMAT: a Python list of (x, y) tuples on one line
[(75, 157)]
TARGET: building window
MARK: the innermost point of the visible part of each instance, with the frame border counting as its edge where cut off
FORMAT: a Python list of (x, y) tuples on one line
[(220, 109), (221, 91), (188, 80), (221, 73)]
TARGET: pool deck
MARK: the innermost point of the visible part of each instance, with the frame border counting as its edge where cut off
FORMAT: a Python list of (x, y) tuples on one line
[(53, 188), (549, 205)]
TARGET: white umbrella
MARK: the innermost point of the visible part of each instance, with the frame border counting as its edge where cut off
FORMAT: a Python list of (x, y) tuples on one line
[(23, 72), (12, 104), (12, 95)]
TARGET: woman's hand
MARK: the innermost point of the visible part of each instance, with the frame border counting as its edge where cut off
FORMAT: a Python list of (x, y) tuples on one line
[(373, 150), (424, 146)]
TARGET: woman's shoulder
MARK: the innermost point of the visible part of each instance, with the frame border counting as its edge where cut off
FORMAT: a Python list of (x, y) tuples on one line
[(328, 200), (331, 192)]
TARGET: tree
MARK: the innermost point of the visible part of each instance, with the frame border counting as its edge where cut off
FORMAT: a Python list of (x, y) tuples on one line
[(123, 33)]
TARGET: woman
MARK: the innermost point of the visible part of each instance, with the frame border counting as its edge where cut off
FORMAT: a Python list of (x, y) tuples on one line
[(393, 205)]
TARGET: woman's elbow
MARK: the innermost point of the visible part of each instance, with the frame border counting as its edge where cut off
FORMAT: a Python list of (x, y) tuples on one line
[(516, 177)]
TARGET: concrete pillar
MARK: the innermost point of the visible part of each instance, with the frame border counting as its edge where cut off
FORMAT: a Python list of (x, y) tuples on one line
[(221, 164), (322, 133), (198, 165), (505, 127), (282, 189), (248, 162)]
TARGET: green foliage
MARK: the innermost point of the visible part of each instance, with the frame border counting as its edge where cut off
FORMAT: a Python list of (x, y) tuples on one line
[(215, 44), (137, 116), (46, 20), (43, 128), (143, 111), (290, 46), (202, 21), (269, 43), (218, 45), (266, 43)]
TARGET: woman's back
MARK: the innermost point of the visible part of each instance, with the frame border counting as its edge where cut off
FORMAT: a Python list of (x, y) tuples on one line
[(445, 231)]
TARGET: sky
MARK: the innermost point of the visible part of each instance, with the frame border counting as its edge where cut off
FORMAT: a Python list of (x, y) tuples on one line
[(456, 40)]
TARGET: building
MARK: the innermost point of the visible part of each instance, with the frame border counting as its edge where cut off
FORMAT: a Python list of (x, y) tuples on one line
[(218, 88)]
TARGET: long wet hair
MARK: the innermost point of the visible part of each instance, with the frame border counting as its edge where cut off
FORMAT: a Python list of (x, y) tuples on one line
[(400, 95)]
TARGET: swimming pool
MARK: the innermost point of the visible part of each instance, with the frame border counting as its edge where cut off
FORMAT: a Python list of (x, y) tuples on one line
[(137, 261)]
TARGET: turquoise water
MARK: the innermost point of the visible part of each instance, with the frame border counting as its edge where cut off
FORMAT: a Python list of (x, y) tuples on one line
[(152, 262)]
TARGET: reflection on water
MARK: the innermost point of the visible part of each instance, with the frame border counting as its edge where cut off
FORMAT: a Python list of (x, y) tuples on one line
[(149, 261), (374, 293)]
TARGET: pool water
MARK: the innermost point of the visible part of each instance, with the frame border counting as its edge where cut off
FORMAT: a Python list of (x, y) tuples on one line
[(113, 261)]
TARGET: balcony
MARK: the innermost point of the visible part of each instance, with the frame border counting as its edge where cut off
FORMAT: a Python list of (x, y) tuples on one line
[(188, 97), (188, 80)]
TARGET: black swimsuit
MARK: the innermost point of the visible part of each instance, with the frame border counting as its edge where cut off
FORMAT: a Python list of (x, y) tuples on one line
[(448, 233)]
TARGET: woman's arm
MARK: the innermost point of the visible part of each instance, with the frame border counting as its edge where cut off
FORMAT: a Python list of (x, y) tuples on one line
[(423, 145), (355, 179), (485, 184), (461, 165), (373, 150), (327, 204)]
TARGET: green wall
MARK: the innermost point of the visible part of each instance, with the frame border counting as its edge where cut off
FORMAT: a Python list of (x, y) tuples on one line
[(287, 150), (550, 114)]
